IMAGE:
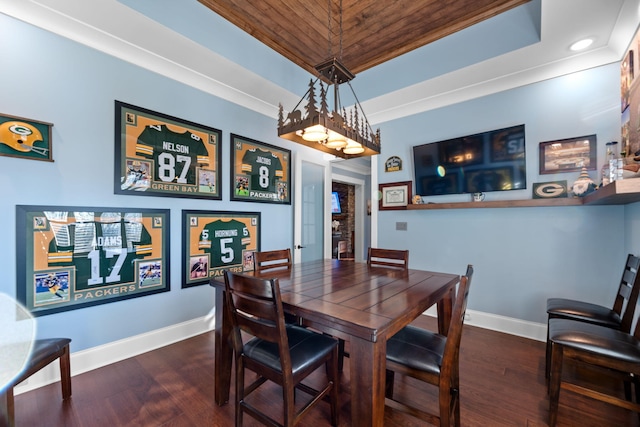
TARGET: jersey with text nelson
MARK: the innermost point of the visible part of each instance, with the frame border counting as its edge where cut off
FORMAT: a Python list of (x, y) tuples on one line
[(176, 155)]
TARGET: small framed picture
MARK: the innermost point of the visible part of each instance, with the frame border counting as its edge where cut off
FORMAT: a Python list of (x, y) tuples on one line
[(568, 155), (394, 195), (25, 138)]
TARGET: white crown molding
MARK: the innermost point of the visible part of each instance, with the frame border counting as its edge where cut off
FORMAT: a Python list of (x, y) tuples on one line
[(115, 29)]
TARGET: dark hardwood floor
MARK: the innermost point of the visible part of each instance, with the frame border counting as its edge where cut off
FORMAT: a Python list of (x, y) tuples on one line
[(502, 384)]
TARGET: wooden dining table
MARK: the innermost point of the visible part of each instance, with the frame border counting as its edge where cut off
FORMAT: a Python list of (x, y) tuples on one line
[(362, 304)]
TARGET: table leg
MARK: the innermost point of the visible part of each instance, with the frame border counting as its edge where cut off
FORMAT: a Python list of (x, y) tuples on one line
[(445, 309), (367, 365), (223, 351)]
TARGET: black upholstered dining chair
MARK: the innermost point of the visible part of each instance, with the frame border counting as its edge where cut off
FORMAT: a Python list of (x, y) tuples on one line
[(388, 258), (432, 358), (43, 352), (278, 352), (619, 316), (587, 345)]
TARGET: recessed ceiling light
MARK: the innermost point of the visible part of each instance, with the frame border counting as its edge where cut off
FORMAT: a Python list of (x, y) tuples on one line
[(581, 44)]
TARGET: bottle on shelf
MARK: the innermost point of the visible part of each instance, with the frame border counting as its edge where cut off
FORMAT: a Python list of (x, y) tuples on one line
[(614, 160)]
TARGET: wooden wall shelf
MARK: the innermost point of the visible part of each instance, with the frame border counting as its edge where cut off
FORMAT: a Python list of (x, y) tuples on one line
[(617, 193)]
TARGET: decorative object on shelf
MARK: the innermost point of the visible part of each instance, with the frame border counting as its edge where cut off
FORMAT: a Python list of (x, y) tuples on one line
[(477, 197), (341, 133), (417, 199), (584, 184), (614, 160), (393, 164), (25, 138), (335, 224), (549, 190), (394, 195), (568, 155)]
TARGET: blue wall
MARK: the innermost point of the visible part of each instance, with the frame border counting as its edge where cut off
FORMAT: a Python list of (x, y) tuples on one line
[(48, 78), (522, 255)]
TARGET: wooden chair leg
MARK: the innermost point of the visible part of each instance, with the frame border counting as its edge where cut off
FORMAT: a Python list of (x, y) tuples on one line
[(7, 407), (445, 408), (388, 384), (547, 359), (555, 378), (65, 373)]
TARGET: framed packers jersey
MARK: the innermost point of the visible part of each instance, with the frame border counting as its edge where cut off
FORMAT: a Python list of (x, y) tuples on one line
[(161, 155), (217, 241), (74, 257), (260, 172)]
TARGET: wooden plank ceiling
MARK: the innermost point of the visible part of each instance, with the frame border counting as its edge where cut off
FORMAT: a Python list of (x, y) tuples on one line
[(373, 31)]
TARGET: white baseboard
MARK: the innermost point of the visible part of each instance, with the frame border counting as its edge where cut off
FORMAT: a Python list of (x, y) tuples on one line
[(97, 357), (508, 325)]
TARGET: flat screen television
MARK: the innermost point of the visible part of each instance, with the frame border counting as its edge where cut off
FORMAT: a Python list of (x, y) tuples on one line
[(487, 161), (335, 203)]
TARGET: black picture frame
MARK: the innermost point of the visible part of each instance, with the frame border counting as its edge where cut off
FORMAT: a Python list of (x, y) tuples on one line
[(75, 257), (214, 241), (260, 172), (25, 138), (161, 155), (568, 155)]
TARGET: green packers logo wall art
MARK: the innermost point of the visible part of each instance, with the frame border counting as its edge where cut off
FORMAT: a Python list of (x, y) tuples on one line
[(74, 257), (161, 155), (25, 138), (217, 241), (260, 172)]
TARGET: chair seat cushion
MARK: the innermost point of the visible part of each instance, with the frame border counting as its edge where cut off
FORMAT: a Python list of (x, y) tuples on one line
[(417, 348), (306, 348), (595, 339), (584, 311), (42, 350)]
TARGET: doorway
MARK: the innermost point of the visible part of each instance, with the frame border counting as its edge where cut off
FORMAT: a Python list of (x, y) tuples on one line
[(343, 218), (352, 223)]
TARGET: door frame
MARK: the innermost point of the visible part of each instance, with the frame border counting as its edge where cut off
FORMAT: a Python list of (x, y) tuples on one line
[(297, 205), (359, 214)]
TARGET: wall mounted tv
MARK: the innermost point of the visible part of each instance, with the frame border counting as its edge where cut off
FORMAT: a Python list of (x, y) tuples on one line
[(335, 203), (487, 161)]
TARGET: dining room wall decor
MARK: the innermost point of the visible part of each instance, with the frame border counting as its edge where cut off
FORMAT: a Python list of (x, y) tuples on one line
[(260, 172), (75, 257), (214, 241), (160, 155), (25, 138)]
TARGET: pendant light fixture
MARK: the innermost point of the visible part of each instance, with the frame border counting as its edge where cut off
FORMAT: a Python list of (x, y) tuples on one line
[(341, 132)]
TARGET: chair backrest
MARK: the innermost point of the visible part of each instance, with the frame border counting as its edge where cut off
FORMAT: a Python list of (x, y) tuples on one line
[(627, 297), (451, 355), (273, 259), (388, 257), (255, 307), (343, 248)]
